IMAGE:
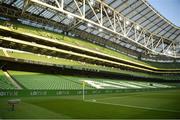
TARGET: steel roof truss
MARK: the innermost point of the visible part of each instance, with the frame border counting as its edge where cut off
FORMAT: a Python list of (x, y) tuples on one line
[(111, 15)]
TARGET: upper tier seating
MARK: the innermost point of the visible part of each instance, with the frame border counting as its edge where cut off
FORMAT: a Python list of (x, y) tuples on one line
[(77, 64), (81, 43)]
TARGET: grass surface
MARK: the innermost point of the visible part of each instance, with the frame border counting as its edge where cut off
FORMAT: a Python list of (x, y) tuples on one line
[(157, 104)]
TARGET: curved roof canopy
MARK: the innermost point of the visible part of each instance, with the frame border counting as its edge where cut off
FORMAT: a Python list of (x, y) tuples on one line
[(141, 12)]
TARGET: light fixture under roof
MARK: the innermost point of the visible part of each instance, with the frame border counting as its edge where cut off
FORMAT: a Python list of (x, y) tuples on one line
[(120, 18), (138, 27), (108, 11), (89, 25), (92, 2), (127, 22), (100, 30), (70, 17), (169, 52)]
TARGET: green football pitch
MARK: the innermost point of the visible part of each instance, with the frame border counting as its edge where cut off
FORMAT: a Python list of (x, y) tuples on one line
[(156, 104)]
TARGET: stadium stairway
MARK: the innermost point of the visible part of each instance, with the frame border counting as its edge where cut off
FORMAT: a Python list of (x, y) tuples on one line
[(18, 87), (5, 83), (5, 53)]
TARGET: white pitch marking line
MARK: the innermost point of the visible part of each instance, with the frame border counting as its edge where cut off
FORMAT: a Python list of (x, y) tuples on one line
[(139, 107), (118, 97)]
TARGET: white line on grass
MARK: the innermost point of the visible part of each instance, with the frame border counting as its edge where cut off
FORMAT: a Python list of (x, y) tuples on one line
[(132, 106), (118, 97)]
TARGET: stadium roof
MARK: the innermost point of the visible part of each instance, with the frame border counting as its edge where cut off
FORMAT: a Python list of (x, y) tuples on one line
[(141, 12), (134, 24)]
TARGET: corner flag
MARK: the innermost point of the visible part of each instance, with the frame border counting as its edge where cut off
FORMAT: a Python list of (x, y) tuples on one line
[(83, 89), (84, 83)]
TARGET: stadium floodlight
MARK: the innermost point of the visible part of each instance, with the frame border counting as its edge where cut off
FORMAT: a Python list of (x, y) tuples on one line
[(108, 11), (100, 30), (127, 22), (98, 10), (169, 52), (92, 2), (89, 25), (70, 17), (138, 27), (120, 18)]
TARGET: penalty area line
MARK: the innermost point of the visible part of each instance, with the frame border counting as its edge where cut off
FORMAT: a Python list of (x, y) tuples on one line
[(138, 107)]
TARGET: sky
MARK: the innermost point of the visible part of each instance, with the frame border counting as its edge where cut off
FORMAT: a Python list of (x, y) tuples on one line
[(170, 9)]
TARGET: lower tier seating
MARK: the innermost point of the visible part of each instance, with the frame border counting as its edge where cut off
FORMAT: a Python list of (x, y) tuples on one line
[(45, 81), (39, 81)]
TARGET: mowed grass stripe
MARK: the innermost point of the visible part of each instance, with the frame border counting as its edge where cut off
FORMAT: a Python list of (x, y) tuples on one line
[(75, 107)]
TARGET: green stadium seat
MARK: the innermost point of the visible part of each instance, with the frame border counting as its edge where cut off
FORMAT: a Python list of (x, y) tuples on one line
[(85, 44), (39, 81)]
